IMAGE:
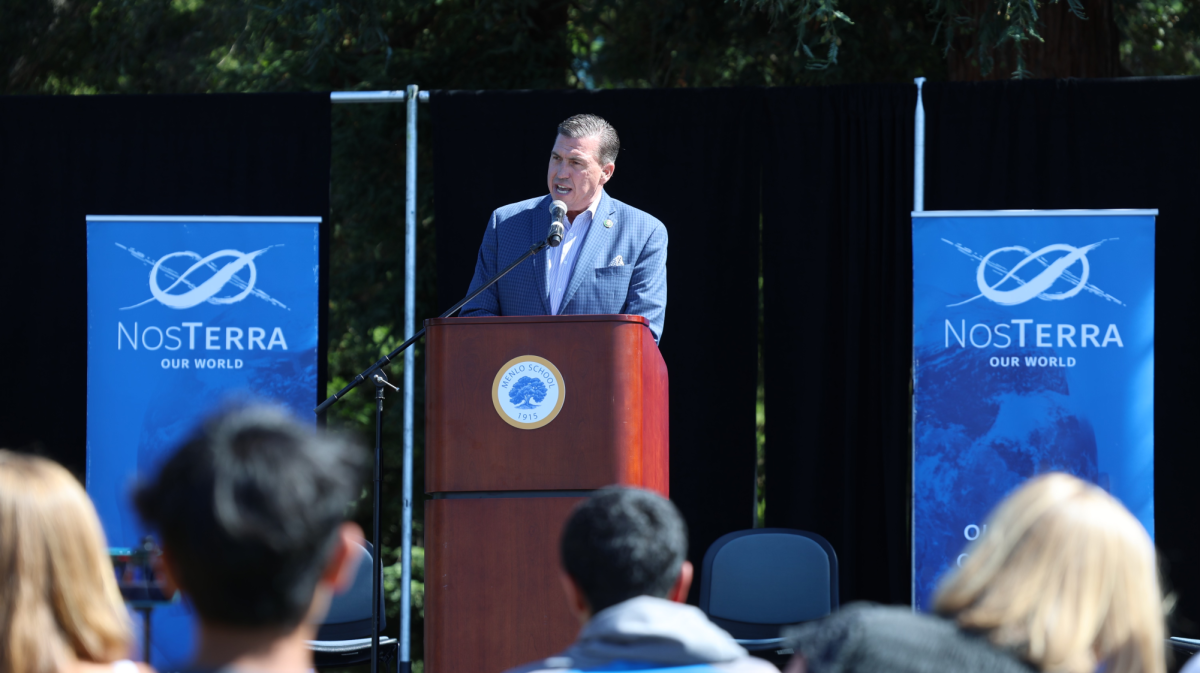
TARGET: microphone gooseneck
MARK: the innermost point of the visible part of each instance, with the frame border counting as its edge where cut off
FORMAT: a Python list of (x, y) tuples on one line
[(556, 234)]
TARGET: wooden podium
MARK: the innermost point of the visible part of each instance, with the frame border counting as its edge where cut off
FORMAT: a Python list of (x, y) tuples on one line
[(503, 480)]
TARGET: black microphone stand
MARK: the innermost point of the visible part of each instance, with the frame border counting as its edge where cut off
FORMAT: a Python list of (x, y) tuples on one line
[(379, 378)]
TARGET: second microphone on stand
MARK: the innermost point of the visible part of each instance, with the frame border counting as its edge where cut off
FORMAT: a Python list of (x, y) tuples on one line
[(558, 211)]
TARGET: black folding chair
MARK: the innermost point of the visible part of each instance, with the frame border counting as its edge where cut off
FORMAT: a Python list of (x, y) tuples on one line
[(755, 582), (344, 637)]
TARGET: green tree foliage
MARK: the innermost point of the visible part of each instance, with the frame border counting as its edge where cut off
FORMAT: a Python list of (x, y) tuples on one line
[(661, 43), (821, 15), (1159, 37), (179, 46), (1156, 37), (1000, 23)]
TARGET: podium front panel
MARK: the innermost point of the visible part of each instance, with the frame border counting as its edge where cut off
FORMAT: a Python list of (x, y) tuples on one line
[(611, 427), (493, 599)]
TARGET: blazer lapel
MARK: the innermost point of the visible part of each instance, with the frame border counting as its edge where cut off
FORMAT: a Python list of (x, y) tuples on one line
[(596, 241), (541, 226)]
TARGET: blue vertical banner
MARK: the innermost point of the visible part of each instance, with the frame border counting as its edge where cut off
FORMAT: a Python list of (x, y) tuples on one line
[(185, 314), (1033, 351)]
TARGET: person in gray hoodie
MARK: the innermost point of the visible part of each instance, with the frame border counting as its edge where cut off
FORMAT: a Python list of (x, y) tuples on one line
[(626, 575)]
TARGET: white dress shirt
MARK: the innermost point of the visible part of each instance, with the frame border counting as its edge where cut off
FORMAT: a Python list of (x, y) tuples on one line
[(561, 260)]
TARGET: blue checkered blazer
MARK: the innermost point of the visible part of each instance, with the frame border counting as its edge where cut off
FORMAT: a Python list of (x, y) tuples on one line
[(638, 287)]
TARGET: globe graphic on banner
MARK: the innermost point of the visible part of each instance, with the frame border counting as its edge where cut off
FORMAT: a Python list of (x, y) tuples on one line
[(984, 430), (178, 405)]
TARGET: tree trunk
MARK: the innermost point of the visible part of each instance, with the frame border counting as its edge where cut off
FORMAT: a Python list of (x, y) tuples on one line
[(1073, 47)]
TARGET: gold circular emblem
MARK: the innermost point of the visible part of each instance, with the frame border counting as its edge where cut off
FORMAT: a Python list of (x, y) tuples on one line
[(528, 392)]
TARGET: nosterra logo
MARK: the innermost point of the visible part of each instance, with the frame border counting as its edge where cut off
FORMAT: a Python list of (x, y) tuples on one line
[(193, 293), (191, 288), (1013, 287)]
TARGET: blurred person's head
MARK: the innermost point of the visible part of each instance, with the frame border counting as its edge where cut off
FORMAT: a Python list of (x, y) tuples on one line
[(251, 513), (622, 543), (59, 601), (1065, 577)]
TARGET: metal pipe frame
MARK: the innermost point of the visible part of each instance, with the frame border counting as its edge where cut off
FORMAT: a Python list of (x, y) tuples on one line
[(410, 97), (919, 151), (344, 97), (404, 665), (918, 206)]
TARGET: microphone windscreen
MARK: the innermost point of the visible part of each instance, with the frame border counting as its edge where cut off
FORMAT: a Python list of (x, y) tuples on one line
[(558, 208)]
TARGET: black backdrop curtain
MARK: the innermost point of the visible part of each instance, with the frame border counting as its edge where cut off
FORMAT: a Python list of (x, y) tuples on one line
[(65, 157), (1100, 144), (837, 285), (688, 157), (835, 166)]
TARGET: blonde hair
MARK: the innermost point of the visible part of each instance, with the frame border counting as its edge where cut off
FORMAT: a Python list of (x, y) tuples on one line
[(1065, 577), (59, 600)]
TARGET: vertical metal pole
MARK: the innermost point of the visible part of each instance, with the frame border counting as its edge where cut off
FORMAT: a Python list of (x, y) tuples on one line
[(376, 555), (919, 151), (918, 206), (404, 661), (145, 634)]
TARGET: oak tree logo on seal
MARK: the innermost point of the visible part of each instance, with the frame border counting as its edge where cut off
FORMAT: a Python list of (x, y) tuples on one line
[(528, 392)]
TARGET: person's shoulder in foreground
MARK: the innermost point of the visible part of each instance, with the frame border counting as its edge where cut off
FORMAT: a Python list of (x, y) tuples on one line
[(1008, 608), (251, 516), (650, 634), (866, 638), (626, 575)]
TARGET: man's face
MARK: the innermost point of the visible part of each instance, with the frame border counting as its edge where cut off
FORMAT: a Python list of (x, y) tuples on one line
[(575, 176)]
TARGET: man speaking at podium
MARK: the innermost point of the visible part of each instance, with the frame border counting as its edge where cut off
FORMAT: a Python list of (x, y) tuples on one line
[(612, 259)]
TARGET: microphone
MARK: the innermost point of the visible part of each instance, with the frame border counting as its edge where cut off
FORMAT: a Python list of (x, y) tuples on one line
[(558, 210)]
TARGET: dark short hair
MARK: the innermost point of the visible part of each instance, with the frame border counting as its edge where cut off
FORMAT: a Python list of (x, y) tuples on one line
[(587, 126), (622, 543), (249, 508)]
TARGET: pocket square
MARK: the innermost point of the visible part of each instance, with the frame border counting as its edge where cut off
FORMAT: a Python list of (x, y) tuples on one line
[(617, 261)]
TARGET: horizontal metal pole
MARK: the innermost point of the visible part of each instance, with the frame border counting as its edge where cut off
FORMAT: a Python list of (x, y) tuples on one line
[(338, 97)]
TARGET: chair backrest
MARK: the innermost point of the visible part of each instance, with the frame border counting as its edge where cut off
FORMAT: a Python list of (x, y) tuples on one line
[(349, 614), (754, 581)]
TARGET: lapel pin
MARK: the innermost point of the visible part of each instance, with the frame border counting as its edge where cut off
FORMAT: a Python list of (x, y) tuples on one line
[(608, 224)]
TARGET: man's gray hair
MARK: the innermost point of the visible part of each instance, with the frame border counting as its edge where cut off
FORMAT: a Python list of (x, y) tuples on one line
[(587, 126)]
